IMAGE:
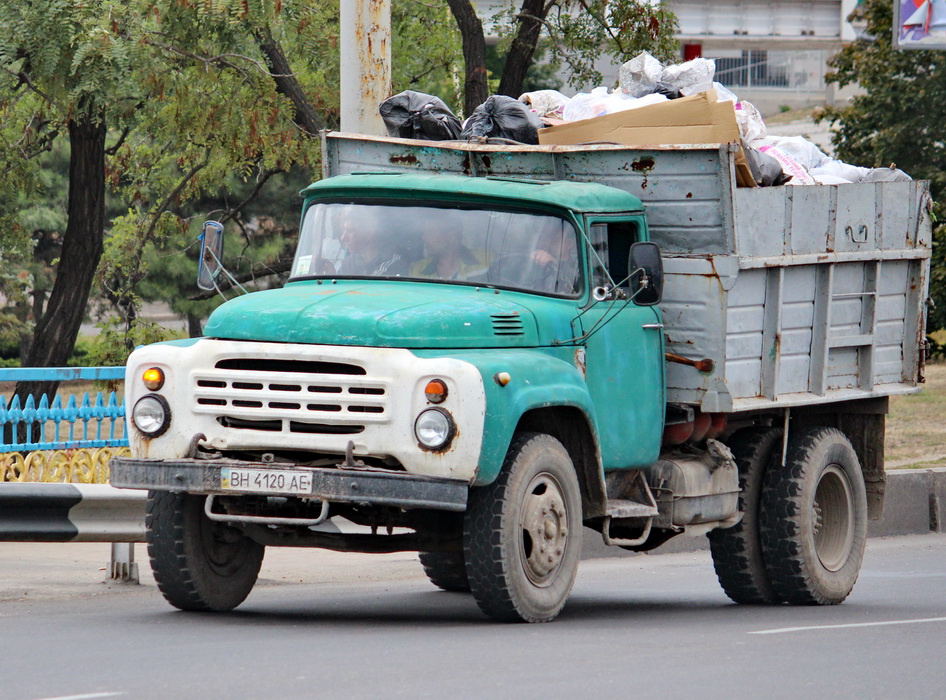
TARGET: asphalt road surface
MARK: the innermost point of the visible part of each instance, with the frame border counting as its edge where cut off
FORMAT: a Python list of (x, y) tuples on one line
[(344, 626)]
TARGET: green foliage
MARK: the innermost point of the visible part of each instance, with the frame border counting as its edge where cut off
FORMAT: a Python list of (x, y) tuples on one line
[(199, 129), (542, 73), (115, 341), (579, 33), (426, 50), (896, 120)]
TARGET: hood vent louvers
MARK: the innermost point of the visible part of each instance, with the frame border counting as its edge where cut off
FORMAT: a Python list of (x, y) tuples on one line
[(507, 324)]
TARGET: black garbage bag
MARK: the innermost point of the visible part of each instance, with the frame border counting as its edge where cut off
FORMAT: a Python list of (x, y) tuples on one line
[(766, 170), (415, 115), (503, 117)]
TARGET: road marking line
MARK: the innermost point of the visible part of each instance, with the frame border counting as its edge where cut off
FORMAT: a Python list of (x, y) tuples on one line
[(87, 696), (782, 630)]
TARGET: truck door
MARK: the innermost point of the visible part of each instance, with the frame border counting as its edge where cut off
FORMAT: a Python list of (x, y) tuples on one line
[(624, 351)]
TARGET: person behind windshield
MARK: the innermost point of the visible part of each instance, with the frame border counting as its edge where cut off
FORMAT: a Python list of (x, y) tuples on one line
[(447, 257), (556, 260), (368, 252)]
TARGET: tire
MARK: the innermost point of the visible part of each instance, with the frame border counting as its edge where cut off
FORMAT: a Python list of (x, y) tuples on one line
[(446, 570), (198, 564), (522, 533), (814, 519), (737, 551)]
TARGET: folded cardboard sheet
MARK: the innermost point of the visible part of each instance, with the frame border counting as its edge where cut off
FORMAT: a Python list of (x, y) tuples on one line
[(695, 119)]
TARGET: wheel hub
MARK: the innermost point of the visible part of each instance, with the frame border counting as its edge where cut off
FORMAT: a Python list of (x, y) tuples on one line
[(833, 518), (544, 529)]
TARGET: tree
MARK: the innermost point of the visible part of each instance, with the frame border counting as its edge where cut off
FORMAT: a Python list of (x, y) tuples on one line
[(895, 119), (206, 108), (579, 33), (66, 65)]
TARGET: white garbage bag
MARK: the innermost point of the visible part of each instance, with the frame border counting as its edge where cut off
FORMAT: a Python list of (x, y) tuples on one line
[(600, 102), (838, 168), (640, 75), (545, 103), (798, 148), (750, 121), (790, 166), (689, 78)]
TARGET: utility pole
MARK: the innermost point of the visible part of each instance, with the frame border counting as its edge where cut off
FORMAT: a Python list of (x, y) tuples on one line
[(366, 64)]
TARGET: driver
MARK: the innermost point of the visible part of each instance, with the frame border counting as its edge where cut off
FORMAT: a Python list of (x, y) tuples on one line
[(556, 260)]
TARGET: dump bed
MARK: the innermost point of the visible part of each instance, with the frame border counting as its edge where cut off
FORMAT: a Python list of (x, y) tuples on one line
[(799, 295)]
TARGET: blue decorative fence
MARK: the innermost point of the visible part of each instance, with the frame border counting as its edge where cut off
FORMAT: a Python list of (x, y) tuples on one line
[(74, 424)]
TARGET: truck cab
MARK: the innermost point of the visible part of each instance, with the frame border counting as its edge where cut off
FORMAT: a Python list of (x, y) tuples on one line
[(430, 323)]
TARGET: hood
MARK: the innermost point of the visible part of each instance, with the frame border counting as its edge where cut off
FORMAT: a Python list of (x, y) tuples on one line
[(391, 314)]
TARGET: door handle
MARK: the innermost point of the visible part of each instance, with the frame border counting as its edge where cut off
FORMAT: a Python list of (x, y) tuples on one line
[(656, 326)]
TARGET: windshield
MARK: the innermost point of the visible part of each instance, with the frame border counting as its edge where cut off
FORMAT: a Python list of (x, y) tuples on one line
[(531, 252)]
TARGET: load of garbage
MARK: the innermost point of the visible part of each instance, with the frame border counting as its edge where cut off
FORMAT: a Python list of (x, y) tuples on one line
[(654, 104)]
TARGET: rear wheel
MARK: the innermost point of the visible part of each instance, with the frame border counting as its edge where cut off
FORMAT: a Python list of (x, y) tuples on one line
[(446, 570), (737, 551), (815, 519), (198, 564), (522, 533)]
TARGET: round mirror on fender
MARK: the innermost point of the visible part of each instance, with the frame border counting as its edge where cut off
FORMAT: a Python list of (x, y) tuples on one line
[(647, 276)]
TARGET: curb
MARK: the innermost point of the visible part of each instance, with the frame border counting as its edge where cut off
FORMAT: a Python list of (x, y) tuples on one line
[(914, 504)]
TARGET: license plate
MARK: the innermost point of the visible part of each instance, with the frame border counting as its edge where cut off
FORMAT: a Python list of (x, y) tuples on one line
[(265, 480)]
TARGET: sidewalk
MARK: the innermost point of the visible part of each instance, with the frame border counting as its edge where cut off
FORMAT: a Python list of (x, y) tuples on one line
[(52, 570)]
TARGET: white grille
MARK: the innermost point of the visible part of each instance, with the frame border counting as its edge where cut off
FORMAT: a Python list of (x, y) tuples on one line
[(290, 401)]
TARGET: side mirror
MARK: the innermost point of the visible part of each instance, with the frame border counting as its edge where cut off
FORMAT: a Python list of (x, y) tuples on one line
[(211, 253), (647, 274)]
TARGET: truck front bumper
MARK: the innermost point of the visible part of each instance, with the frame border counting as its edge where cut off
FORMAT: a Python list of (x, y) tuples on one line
[(335, 485)]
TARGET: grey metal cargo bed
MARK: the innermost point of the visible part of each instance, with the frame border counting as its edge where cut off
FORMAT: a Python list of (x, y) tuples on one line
[(800, 295)]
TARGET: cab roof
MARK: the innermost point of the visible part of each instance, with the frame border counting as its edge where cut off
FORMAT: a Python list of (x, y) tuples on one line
[(584, 197)]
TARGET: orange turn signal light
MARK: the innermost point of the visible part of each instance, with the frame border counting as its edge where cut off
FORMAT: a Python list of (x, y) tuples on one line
[(153, 378), (436, 391)]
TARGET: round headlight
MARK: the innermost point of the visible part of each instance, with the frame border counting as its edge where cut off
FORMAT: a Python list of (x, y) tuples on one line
[(434, 429), (151, 415)]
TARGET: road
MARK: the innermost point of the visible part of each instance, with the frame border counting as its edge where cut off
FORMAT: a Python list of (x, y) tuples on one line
[(332, 625)]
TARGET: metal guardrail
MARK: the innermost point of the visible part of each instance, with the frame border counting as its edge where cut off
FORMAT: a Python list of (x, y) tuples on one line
[(71, 513), (77, 513)]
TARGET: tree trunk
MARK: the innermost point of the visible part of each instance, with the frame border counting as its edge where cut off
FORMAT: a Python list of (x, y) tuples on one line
[(306, 117), (55, 336), (194, 329), (475, 89), (531, 16)]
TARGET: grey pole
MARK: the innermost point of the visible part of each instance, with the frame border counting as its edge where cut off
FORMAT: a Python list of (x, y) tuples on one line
[(365, 64)]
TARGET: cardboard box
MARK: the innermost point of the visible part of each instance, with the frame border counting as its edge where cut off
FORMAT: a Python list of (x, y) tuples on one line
[(694, 119)]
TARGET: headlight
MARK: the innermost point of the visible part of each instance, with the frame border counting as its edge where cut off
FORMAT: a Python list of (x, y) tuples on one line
[(151, 415), (434, 429)]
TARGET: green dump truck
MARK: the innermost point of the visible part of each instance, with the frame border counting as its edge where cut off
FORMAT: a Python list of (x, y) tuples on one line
[(486, 352)]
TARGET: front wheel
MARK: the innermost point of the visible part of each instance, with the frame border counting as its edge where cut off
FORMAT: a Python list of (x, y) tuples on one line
[(198, 564), (814, 517), (522, 533)]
